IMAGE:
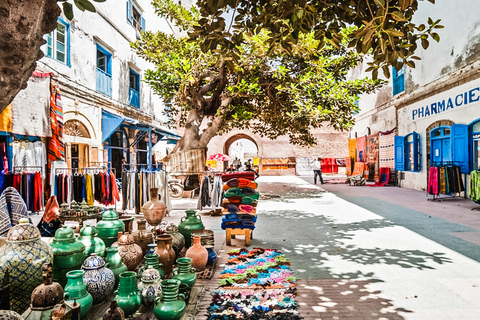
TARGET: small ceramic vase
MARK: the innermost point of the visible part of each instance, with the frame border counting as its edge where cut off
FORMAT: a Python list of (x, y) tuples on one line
[(184, 272), (115, 263), (93, 244), (166, 254), (142, 236), (130, 252), (178, 241), (150, 287), (151, 248), (198, 253), (188, 224), (212, 255), (127, 295), (154, 210), (75, 290), (152, 260), (98, 279), (171, 304), (114, 312), (109, 227)]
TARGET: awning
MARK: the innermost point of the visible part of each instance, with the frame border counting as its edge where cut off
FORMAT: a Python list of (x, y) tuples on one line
[(111, 122), (167, 135)]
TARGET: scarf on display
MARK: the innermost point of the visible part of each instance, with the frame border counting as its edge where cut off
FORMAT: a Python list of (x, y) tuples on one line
[(56, 146), (12, 209)]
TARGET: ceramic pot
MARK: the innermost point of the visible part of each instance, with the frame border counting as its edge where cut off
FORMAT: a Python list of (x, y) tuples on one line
[(198, 253), (189, 223), (154, 210), (185, 290), (152, 260), (130, 252), (212, 255), (142, 236), (92, 243), (150, 287), (68, 254), (127, 295), (171, 304), (109, 227), (166, 254), (115, 263), (178, 241), (151, 248), (75, 290), (128, 223), (98, 279), (22, 257), (114, 312), (184, 272)]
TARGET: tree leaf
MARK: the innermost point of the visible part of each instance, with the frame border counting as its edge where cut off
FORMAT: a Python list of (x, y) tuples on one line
[(425, 44), (404, 4), (435, 36), (380, 3), (68, 10), (397, 15)]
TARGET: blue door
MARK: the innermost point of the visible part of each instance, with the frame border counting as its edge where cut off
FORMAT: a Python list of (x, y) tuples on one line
[(436, 152)]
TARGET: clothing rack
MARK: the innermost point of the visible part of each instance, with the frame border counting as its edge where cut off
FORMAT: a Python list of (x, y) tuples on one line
[(27, 168), (142, 166), (440, 198)]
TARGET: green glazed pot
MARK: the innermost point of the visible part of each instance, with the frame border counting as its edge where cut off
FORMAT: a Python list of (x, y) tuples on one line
[(152, 260), (115, 263), (188, 224), (127, 295), (171, 305), (68, 254), (184, 272), (76, 290), (93, 244), (109, 227)]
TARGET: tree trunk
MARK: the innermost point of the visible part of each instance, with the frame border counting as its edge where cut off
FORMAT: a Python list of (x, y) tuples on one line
[(22, 26)]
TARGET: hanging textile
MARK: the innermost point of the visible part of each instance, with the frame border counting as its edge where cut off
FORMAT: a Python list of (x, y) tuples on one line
[(12, 209), (352, 147), (56, 147), (204, 198), (217, 192), (432, 187), (475, 186), (361, 148), (386, 141), (372, 156)]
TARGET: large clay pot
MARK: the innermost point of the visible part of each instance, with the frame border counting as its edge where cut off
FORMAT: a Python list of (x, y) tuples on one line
[(166, 254), (150, 286), (115, 263), (76, 291), (178, 241), (188, 224), (22, 257), (68, 254), (130, 252), (198, 254), (184, 272), (171, 304), (154, 210), (98, 279), (142, 236), (128, 297), (152, 260), (109, 227), (93, 244)]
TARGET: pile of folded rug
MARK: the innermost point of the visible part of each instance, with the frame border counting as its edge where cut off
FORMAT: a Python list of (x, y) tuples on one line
[(239, 205)]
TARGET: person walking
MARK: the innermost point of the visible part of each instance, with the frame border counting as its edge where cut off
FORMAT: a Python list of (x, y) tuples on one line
[(317, 170)]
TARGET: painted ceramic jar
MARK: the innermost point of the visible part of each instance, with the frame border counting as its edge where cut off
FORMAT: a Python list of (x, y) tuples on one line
[(171, 304), (76, 290), (115, 263), (153, 261), (68, 254), (166, 254), (99, 279), (92, 243), (109, 227), (151, 248), (198, 253), (127, 295), (142, 236), (212, 255), (130, 252), (154, 210), (184, 272), (189, 223), (150, 286), (22, 257), (178, 241)]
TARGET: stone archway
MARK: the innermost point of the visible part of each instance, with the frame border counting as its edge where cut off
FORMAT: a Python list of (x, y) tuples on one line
[(236, 137)]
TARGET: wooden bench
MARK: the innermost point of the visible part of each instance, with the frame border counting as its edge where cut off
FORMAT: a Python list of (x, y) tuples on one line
[(232, 232)]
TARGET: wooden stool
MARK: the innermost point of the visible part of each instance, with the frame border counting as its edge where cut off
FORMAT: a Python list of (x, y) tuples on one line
[(232, 232)]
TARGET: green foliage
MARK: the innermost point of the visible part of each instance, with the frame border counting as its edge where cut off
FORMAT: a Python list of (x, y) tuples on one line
[(80, 4)]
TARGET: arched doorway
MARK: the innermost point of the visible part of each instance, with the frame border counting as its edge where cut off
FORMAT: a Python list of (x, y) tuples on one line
[(241, 146)]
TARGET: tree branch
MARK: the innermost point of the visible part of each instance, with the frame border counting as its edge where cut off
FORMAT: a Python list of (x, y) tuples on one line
[(216, 124)]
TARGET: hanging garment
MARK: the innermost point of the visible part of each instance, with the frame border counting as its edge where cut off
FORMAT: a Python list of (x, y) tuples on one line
[(12, 209), (361, 148), (89, 189), (53, 171), (432, 187), (40, 156), (217, 192), (125, 186), (204, 199), (114, 187), (475, 185), (441, 181)]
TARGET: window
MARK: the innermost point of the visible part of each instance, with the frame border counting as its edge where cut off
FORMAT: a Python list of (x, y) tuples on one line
[(134, 16), (134, 89), (398, 78), (407, 152), (104, 71), (58, 43)]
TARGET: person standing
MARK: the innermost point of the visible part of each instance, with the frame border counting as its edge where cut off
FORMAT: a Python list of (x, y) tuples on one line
[(317, 170), (237, 163)]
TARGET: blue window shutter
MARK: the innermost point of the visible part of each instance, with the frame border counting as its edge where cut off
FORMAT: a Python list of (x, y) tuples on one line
[(416, 152), (398, 78), (399, 153), (129, 12), (459, 146), (67, 52), (142, 23)]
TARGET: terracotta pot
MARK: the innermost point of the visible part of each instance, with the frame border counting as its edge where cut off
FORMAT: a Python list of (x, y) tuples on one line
[(130, 252), (154, 210), (165, 251), (142, 236), (198, 254)]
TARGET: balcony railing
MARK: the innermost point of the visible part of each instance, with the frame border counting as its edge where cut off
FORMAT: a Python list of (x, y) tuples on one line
[(104, 82), (134, 98)]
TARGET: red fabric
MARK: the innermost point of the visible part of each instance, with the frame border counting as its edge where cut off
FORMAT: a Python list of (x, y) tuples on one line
[(235, 199), (242, 182), (104, 192), (52, 210), (17, 179), (245, 175), (115, 194), (37, 198), (383, 177), (433, 181), (329, 165), (361, 149)]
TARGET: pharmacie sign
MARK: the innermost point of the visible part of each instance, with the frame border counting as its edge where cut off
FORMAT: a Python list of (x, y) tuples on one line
[(452, 101)]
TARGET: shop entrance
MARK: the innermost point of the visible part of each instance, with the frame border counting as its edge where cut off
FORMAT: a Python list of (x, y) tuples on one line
[(441, 153)]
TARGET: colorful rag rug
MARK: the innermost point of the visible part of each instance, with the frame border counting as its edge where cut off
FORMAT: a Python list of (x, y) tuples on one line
[(386, 141), (255, 284)]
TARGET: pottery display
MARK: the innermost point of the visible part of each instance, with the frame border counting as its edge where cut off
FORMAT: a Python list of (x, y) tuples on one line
[(154, 210), (178, 241), (152, 260), (22, 257), (150, 286), (68, 254), (109, 227), (114, 262), (76, 291), (128, 222), (184, 272), (114, 312), (99, 279), (142, 236), (92, 243), (166, 254), (130, 252), (212, 255), (171, 304), (127, 295), (189, 223), (199, 255), (207, 237), (151, 248)]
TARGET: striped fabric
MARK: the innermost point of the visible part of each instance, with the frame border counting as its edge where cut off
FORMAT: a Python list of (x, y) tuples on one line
[(12, 209), (387, 149), (56, 147)]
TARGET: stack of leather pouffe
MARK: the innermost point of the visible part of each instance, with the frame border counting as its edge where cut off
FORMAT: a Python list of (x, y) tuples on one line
[(240, 204)]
